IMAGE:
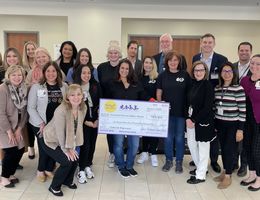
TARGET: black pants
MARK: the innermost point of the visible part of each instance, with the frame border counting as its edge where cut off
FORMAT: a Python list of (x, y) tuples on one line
[(45, 163), (88, 148), (241, 151), (214, 150), (252, 144), (110, 142), (150, 144), (65, 173), (227, 137), (11, 160), (31, 137)]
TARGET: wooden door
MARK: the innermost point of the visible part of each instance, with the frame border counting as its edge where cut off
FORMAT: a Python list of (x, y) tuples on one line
[(149, 44), (18, 39), (188, 47)]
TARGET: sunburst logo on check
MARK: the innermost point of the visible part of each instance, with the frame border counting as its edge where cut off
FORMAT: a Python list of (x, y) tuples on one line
[(110, 106)]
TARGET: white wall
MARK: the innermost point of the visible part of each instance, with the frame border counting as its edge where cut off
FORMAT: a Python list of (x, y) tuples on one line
[(52, 30), (93, 26)]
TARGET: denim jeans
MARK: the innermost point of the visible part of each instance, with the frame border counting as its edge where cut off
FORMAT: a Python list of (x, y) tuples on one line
[(176, 137), (132, 147)]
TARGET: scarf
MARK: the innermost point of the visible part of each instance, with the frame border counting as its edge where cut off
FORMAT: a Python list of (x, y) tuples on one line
[(87, 96), (18, 95)]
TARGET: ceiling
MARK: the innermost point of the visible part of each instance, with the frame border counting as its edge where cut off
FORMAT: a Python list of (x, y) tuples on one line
[(156, 2)]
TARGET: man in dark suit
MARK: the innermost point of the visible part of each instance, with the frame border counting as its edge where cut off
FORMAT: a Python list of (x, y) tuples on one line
[(165, 47), (214, 62), (132, 57), (242, 68)]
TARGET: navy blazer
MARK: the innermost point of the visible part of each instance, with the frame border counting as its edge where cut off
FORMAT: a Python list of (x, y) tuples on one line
[(249, 73), (157, 58), (217, 61)]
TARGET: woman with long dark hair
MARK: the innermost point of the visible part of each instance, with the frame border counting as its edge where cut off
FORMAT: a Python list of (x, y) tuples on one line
[(230, 114), (92, 94)]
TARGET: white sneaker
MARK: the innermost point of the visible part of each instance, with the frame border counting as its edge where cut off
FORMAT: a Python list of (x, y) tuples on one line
[(82, 177), (154, 161), (143, 157), (89, 173), (111, 161)]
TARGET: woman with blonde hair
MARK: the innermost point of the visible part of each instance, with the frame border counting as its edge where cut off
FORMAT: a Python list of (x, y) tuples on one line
[(13, 116), (107, 71), (42, 56), (11, 57), (148, 78), (29, 55), (62, 135)]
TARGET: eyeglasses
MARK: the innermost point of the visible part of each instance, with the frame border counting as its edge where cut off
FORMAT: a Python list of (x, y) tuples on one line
[(227, 71), (199, 70)]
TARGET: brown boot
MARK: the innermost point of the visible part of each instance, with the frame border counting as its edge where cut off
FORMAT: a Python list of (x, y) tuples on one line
[(220, 177), (225, 182)]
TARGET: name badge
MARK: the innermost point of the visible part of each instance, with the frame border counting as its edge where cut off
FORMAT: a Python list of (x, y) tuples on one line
[(214, 76), (41, 93), (190, 111), (257, 85), (220, 111)]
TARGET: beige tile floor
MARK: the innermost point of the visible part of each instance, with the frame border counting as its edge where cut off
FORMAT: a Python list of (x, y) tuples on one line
[(151, 184)]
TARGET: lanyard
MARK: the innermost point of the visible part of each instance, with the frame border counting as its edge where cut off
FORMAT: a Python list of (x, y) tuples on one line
[(222, 95)]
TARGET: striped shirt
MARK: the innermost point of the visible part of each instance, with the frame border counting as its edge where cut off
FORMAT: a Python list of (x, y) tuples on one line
[(230, 104)]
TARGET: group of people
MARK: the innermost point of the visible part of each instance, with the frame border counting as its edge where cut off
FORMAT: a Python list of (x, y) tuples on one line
[(58, 102)]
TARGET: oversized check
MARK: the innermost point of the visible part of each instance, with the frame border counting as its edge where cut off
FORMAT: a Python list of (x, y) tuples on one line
[(127, 117)]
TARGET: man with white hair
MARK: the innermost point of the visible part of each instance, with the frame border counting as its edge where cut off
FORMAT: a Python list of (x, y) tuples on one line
[(165, 47)]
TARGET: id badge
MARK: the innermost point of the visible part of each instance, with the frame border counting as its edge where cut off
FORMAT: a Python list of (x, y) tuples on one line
[(41, 93), (190, 111), (257, 85), (85, 95), (220, 111), (214, 76)]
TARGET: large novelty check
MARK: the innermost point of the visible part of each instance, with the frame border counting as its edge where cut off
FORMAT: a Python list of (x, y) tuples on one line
[(127, 117)]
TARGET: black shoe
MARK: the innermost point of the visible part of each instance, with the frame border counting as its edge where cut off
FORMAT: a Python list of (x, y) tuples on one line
[(10, 185), (124, 173), (72, 186), (242, 171), (250, 188), (14, 181), (132, 172), (216, 167), (243, 183), (193, 180), (191, 163), (193, 172), (19, 166), (31, 157), (58, 193)]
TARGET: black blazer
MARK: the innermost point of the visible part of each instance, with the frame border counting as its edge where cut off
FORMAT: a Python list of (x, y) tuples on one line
[(157, 58), (217, 61), (201, 99), (237, 71), (95, 93)]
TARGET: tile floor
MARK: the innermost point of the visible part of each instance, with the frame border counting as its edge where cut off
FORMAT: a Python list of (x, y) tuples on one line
[(151, 184)]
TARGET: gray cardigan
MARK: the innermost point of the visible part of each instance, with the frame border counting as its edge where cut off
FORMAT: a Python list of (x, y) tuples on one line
[(37, 103)]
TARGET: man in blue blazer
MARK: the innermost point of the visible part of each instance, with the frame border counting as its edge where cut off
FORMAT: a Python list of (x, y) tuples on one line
[(166, 46), (214, 62)]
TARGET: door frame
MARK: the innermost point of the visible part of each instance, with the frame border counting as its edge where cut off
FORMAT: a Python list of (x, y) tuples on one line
[(30, 32)]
